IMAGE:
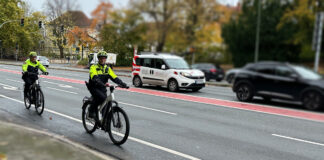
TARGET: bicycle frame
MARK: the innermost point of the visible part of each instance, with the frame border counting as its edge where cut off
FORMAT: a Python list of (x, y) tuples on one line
[(109, 103)]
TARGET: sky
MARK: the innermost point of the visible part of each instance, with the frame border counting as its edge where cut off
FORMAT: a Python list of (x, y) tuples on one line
[(87, 6)]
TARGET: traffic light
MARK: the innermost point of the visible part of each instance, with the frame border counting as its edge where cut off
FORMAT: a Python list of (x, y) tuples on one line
[(62, 28), (40, 24), (22, 22), (77, 49)]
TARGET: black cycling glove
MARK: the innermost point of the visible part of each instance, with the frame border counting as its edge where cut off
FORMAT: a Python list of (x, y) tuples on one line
[(120, 82)]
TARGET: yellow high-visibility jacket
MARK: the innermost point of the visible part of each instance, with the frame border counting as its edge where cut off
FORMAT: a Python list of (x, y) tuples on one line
[(29, 66)]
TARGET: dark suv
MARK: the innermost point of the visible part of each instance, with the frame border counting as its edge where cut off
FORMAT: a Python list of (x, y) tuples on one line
[(282, 81), (210, 70)]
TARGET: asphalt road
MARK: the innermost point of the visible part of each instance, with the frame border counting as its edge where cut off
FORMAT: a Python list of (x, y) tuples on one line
[(171, 127)]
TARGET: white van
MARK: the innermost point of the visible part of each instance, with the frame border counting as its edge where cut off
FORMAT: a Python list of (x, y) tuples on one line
[(93, 59), (162, 69), (43, 60)]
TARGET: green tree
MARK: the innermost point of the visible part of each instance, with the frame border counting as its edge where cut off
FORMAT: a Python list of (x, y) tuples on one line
[(239, 34), (9, 10), (164, 14), (27, 37), (301, 16), (120, 35)]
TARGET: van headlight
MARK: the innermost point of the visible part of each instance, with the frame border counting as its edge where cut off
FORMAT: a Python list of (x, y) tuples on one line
[(185, 74)]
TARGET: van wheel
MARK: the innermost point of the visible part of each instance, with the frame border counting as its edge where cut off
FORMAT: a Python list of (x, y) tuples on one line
[(173, 85), (137, 82)]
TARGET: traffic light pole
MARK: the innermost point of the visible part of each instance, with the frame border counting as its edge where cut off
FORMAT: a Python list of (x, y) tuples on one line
[(257, 43), (319, 30)]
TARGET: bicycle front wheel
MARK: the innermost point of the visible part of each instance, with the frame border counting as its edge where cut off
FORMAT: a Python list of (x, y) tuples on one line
[(118, 126), (39, 105)]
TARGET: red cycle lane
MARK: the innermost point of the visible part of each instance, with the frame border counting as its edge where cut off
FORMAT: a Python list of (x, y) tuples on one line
[(217, 102)]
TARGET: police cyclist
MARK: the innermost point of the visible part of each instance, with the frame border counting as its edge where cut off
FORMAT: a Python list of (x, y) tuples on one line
[(99, 75), (30, 71)]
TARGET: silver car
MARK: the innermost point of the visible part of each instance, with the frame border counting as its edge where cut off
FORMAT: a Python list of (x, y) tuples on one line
[(43, 60)]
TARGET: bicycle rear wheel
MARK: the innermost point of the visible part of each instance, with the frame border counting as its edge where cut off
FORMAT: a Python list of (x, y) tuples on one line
[(39, 105), (118, 126), (89, 124)]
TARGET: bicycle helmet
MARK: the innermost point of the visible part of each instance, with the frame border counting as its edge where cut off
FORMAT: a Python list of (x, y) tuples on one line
[(32, 54), (102, 54)]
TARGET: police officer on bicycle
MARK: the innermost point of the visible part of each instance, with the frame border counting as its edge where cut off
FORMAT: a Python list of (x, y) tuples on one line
[(30, 71), (99, 75)]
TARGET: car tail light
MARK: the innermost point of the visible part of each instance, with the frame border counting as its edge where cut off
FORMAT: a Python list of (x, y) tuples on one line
[(213, 70), (176, 73)]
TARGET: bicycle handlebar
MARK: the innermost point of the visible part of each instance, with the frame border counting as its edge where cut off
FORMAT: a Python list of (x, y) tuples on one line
[(32, 73), (115, 86)]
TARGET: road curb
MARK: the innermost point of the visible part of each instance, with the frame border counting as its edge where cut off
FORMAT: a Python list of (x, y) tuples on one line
[(59, 138)]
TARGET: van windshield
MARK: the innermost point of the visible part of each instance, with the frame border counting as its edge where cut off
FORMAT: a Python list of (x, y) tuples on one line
[(177, 63), (41, 58)]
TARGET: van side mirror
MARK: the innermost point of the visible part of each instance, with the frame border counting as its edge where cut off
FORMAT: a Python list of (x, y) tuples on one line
[(163, 67)]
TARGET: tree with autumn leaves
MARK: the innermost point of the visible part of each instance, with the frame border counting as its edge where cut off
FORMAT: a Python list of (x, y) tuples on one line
[(285, 34)]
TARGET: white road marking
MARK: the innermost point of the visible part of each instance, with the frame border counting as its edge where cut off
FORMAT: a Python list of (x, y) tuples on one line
[(157, 110), (131, 138), (62, 90), (5, 86), (297, 139), (60, 85), (15, 81)]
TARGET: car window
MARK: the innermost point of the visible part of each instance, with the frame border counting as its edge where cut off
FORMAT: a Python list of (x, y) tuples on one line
[(194, 66), (208, 66), (139, 61), (158, 63), (307, 73), (265, 69), (283, 71), (41, 58), (147, 62)]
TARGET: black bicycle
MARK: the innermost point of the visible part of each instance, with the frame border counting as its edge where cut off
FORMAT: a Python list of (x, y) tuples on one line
[(112, 118), (35, 96)]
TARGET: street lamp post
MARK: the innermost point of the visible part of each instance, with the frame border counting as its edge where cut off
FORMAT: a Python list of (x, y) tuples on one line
[(256, 53)]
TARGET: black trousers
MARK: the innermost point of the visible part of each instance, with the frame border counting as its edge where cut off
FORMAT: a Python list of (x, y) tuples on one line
[(29, 80), (99, 96)]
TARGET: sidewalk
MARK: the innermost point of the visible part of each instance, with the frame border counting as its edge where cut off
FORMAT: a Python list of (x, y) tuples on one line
[(119, 71), (19, 142), (69, 67)]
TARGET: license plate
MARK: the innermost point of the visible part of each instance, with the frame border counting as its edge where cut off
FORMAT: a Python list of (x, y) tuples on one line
[(200, 81)]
